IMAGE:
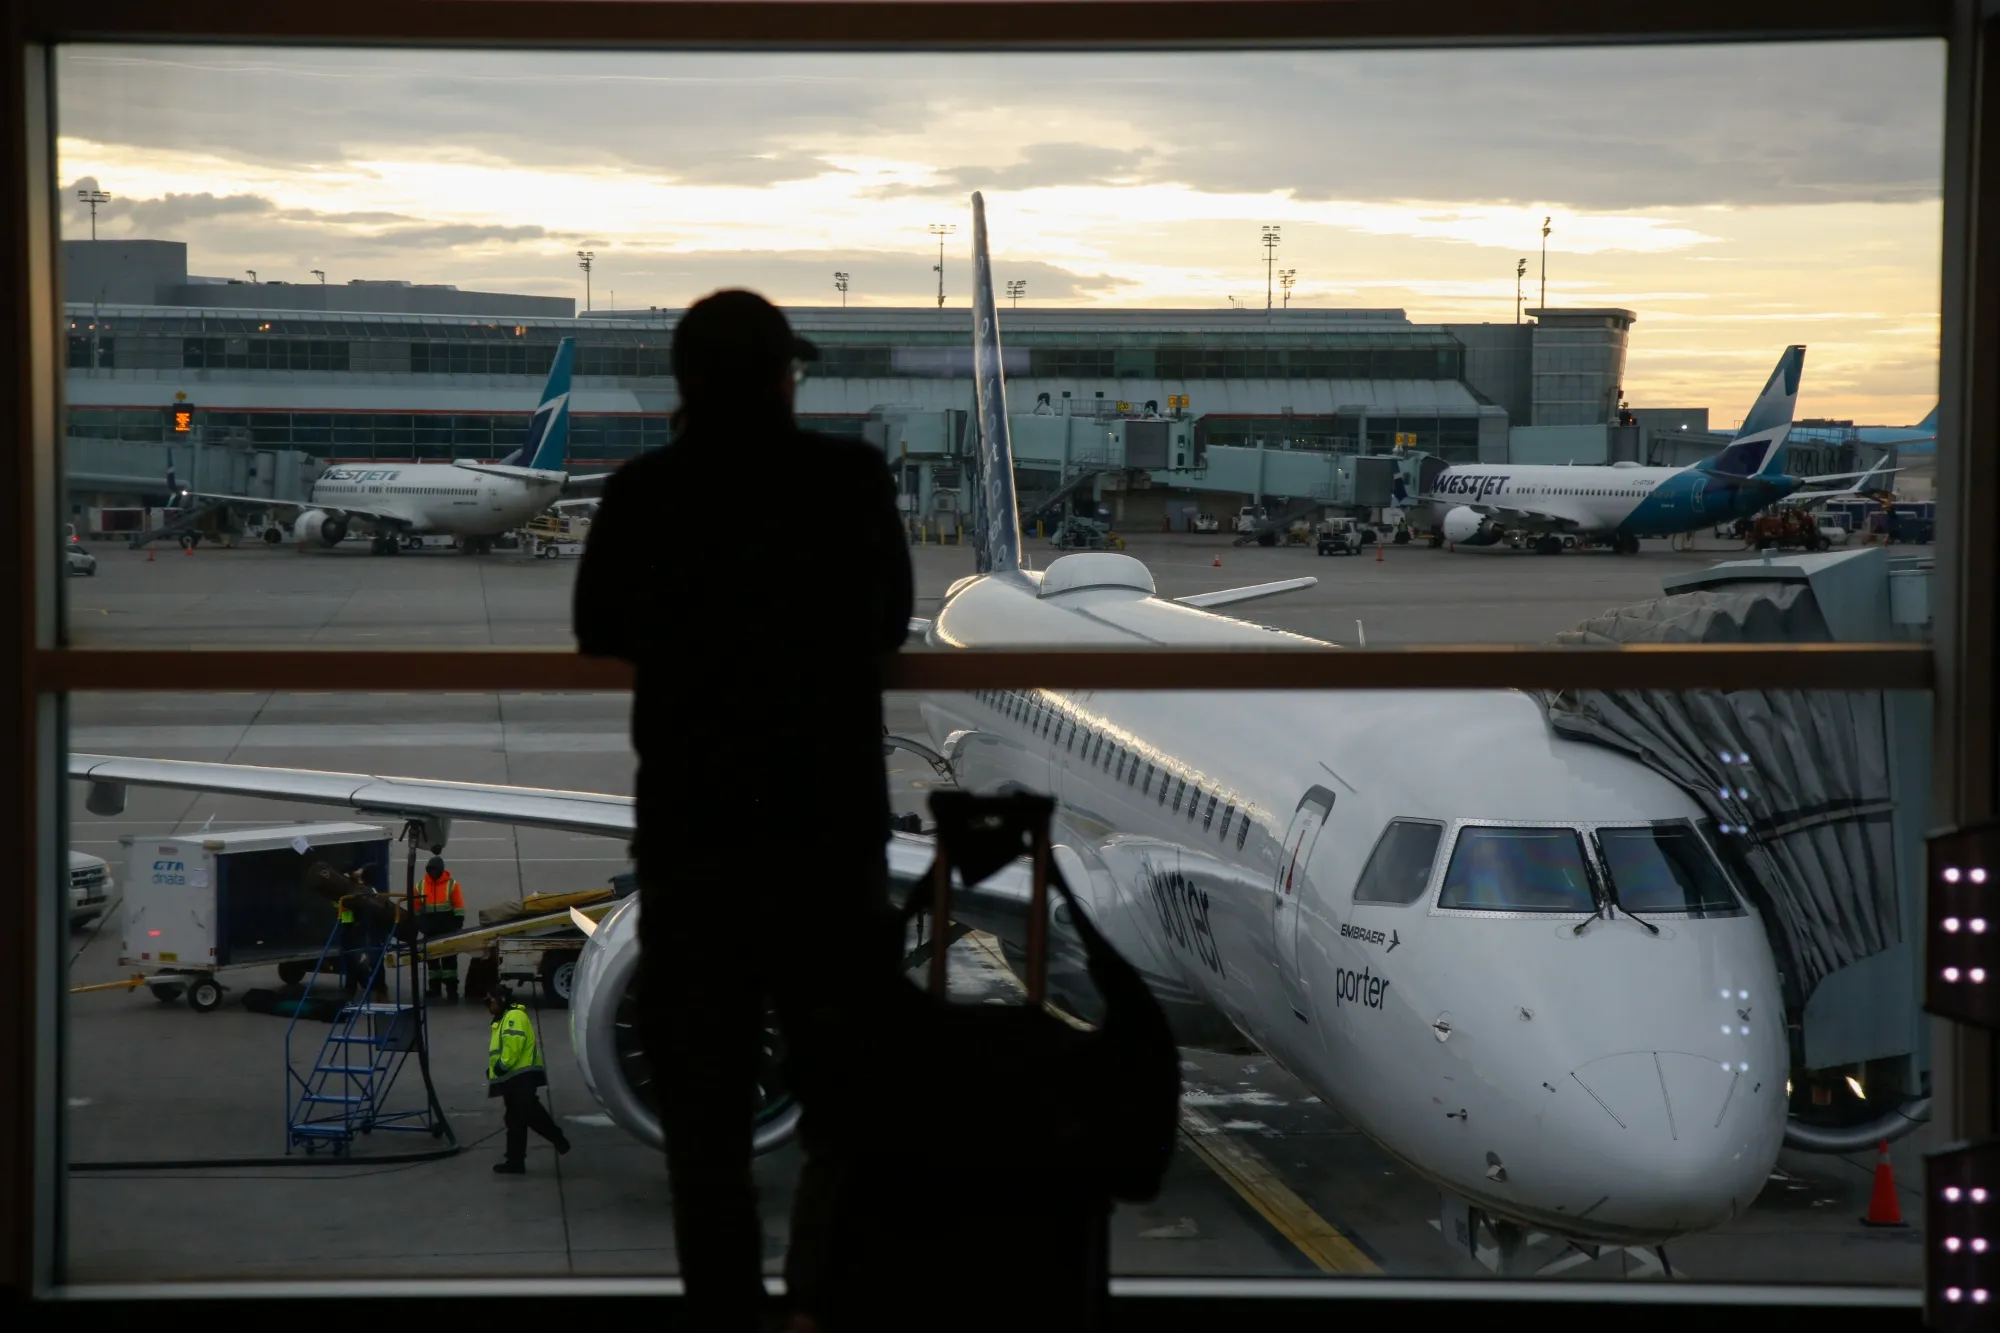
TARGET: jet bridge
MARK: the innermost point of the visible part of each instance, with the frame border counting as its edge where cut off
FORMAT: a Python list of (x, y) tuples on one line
[(1821, 799)]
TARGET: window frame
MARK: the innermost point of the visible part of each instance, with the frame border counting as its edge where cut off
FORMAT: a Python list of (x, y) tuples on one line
[(1958, 666)]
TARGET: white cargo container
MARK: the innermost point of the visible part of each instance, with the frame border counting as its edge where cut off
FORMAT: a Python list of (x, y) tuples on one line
[(204, 903)]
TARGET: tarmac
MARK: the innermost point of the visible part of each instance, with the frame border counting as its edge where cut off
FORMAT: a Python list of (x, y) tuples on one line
[(1269, 1182)]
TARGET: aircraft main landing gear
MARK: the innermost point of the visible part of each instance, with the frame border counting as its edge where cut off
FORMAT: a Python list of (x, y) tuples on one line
[(1548, 544)]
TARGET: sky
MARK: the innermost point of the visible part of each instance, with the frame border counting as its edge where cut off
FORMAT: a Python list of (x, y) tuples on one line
[(1738, 199)]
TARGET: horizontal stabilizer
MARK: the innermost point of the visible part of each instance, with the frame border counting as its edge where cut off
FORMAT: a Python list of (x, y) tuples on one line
[(1845, 476), (1250, 593), (918, 625)]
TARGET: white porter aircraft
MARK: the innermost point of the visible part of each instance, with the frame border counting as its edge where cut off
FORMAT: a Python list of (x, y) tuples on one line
[(1541, 993), (475, 502)]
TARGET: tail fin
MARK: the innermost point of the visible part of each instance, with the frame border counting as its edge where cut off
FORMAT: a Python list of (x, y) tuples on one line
[(547, 445), (1759, 447), (1929, 422), (998, 541)]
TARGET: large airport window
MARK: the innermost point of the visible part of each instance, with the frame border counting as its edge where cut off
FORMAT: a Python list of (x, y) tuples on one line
[(1399, 869), (442, 195), (1518, 870)]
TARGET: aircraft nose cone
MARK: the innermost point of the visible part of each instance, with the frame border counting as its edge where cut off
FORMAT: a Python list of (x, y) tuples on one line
[(1659, 1094), (1687, 1136)]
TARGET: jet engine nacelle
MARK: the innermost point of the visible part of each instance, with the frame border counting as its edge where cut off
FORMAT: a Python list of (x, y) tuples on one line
[(609, 1033), (1465, 526), (329, 528)]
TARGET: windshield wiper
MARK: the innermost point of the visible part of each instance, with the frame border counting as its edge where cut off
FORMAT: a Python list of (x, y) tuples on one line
[(1612, 905)]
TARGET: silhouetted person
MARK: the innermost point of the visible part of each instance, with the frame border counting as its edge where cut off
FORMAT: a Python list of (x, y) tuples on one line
[(756, 575)]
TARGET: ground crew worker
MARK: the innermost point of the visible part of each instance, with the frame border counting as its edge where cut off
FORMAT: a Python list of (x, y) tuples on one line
[(359, 947), (441, 911), (514, 1072)]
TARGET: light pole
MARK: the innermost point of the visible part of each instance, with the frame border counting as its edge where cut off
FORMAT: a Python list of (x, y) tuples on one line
[(584, 259), (1545, 263), (1286, 277), (1016, 286), (94, 198), (1270, 257), (1520, 271), (840, 285), (942, 230), (320, 273)]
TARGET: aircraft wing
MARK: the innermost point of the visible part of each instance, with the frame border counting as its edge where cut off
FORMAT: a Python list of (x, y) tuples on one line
[(997, 905), (365, 793), (1513, 514), (590, 485), (295, 507), (1230, 596)]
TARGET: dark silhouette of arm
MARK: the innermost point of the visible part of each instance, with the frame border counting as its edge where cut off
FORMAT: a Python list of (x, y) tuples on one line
[(610, 584), (893, 557)]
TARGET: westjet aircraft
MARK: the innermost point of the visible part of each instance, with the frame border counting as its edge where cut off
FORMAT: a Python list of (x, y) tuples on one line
[(472, 501), (1478, 504), (1541, 992)]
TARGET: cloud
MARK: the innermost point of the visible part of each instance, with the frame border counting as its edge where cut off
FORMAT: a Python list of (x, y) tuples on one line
[(1048, 164), (1585, 128)]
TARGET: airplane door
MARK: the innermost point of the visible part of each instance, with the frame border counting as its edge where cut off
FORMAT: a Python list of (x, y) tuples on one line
[(493, 498), (1291, 887)]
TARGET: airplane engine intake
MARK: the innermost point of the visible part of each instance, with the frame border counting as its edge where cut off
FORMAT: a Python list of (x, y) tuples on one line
[(608, 1030), (1465, 526)]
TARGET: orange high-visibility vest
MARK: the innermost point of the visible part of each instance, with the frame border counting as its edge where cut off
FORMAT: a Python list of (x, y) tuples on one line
[(442, 895)]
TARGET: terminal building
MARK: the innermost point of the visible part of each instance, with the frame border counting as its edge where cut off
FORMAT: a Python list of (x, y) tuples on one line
[(1149, 414)]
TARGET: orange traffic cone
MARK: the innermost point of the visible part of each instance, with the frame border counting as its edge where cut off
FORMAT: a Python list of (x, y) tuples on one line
[(1883, 1208), (1218, 562), (149, 553), (187, 548), (1378, 553)]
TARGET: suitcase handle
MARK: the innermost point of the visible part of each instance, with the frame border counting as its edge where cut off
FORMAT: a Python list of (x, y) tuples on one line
[(977, 835)]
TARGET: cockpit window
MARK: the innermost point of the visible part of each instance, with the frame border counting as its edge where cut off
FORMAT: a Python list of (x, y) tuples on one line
[(1400, 868), (1518, 870), (1665, 868)]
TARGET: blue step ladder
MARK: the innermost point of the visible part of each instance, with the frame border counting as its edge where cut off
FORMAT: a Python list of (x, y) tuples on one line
[(345, 1092)]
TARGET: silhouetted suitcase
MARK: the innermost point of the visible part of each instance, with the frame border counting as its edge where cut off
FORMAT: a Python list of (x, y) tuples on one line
[(979, 1194)]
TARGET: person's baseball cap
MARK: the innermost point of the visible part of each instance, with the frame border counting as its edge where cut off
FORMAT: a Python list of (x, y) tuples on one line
[(735, 337)]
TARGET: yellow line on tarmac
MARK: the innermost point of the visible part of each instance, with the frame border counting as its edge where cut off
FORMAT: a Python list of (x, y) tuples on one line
[(1244, 1170), (1251, 1176)]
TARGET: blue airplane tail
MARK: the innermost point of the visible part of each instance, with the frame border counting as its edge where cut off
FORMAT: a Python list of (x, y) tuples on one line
[(547, 445), (1759, 447), (997, 516), (1929, 422)]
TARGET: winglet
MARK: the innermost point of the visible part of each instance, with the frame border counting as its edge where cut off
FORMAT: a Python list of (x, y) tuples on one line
[(582, 922)]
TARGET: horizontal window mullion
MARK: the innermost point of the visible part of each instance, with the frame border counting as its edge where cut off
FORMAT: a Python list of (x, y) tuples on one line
[(1816, 666), (996, 24)]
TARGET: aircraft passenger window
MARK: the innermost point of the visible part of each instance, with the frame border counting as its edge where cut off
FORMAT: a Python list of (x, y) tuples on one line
[(1209, 818), (1665, 868), (1400, 866), (1518, 870)]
